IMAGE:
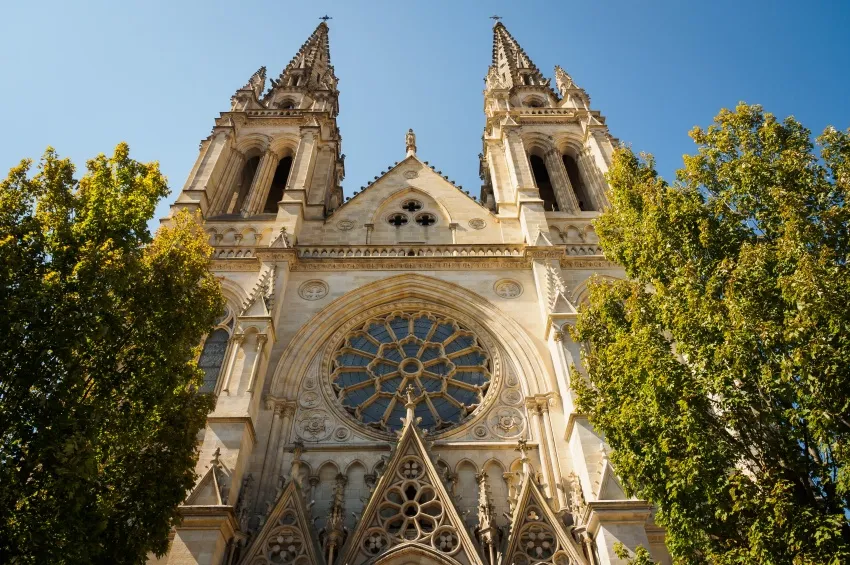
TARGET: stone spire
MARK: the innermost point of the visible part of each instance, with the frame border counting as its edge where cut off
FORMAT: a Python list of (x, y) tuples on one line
[(568, 89), (257, 82), (511, 66), (249, 95), (311, 68)]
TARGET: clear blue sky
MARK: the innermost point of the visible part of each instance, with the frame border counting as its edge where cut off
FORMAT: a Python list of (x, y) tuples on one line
[(83, 76)]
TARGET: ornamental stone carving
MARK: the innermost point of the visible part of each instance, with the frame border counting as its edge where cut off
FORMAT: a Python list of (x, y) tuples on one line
[(512, 397), (342, 434), (314, 425), (480, 432), (411, 174), (477, 223), (313, 290), (344, 225), (309, 399), (507, 288), (506, 422)]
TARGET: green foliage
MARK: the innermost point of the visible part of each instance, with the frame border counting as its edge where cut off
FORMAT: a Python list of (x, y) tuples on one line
[(100, 325), (642, 556), (720, 372)]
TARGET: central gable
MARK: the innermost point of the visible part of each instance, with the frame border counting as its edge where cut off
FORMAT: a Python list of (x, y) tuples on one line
[(409, 204)]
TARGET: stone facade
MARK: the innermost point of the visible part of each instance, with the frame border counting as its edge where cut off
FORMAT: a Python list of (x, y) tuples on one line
[(393, 369)]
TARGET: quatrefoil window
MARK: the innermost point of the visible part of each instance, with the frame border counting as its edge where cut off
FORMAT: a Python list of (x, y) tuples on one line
[(412, 206), (440, 359), (397, 220), (426, 219)]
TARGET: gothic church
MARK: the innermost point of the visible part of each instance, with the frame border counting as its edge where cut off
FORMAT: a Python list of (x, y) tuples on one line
[(393, 369)]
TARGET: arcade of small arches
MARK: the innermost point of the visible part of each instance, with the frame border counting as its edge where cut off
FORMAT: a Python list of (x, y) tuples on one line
[(325, 478)]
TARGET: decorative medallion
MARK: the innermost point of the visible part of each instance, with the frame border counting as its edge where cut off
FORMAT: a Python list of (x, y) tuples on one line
[(437, 357), (480, 432), (309, 383), (342, 434), (506, 422), (309, 399), (313, 290), (345, 225), (411, 174), (507, 288), (477, 223), (512, 397), (314, 425)]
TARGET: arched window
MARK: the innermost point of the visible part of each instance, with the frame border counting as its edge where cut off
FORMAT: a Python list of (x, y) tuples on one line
[(281, 176), (580, 190), (212, 358), (544, 183), (249, 169)]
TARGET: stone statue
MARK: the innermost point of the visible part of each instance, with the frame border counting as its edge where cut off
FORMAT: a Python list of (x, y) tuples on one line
[(410, 142)]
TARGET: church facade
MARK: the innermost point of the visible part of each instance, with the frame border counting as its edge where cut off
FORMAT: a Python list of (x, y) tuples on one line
[(393, 369)]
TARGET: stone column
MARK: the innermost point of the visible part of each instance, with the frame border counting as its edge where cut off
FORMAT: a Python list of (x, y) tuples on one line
[(261, 342), (288, 411), (559, 494), (260, 186), (266, 477), (542, 449), (453, 227), (224, 191), (236, 341), (564, 193), (369, 228)]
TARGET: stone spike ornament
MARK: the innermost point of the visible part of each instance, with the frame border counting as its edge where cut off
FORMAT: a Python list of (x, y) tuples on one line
[(310, 68), (512, 63), (257, 82)]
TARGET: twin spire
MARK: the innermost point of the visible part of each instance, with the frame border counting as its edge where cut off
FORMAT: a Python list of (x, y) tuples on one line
[(311, 67)]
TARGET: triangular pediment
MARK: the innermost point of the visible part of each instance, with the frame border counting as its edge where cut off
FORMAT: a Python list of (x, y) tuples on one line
[(287, 535), (207, 492), (410, 507), (537, 535)]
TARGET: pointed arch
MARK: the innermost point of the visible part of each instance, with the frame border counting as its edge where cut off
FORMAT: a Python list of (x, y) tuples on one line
[(517, 348), (412, 192)]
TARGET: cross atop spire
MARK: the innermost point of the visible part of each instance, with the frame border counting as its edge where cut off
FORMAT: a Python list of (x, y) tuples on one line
[(510, 63)]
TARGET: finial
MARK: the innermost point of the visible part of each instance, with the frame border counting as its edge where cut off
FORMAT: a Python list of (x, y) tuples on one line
[(325, 18), (410, 142), (496, 18), (216, 458), (410, 405)]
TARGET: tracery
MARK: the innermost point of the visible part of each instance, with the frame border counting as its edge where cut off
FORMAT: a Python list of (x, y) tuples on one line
[(440, 359)]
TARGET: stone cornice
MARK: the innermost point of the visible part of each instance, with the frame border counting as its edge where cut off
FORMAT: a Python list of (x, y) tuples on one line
[(409, 257), (609, 511), (249, 423)]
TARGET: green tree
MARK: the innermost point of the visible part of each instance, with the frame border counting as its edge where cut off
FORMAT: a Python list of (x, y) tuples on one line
[(720, 372), (100, 326)]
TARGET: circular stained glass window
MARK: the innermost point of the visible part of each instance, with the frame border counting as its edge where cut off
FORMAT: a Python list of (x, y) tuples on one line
[(441, 361)]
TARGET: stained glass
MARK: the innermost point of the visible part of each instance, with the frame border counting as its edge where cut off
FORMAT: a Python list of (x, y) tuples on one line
[(438, 360)]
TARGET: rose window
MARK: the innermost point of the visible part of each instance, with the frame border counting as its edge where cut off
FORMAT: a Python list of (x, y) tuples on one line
[(440, 360)]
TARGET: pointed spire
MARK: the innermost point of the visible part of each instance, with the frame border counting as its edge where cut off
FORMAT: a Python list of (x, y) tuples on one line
[(311, 68), (568, 88), (511, 65), (257, 82)]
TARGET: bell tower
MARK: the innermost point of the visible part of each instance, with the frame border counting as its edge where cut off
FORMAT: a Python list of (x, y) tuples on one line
[(274, 158), (545, 151)]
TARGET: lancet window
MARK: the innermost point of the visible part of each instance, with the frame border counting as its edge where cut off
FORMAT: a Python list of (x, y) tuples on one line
[(281, 177), (544, 183), (579, 188)]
